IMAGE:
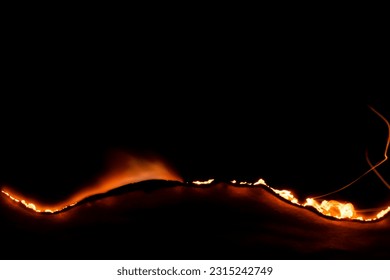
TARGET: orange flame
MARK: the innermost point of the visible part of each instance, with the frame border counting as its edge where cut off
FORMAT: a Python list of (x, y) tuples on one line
[(123, 169), (133, 169), (33, 207), (332, 208), (203, 182)]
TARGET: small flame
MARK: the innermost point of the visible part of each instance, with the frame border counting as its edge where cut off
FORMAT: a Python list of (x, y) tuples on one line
[(286, 195), (203, 182)]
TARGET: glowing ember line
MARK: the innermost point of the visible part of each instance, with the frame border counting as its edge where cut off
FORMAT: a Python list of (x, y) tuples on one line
[(33, 207), (286, 195), (382, 213), (332, 208), (203, 182)]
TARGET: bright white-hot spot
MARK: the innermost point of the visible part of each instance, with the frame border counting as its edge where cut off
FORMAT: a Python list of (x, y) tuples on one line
[(203, 182), (333, 208), (260, 182)]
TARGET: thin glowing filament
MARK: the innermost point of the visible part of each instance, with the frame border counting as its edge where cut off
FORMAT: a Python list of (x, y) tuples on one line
[(377, 173), (373, 167)]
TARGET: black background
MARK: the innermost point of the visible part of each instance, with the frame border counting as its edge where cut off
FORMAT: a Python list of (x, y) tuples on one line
[(290, 107), (306, 135), (292, 110)]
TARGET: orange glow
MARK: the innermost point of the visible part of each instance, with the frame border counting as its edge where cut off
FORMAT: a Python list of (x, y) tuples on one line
[(33, 207), (332, 208), (373, 168), (123, 169), (130, 169)]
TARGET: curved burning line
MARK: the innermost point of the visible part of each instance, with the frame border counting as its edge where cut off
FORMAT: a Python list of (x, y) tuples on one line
[(341, 210), (123, 169), (331, 209), (141, 185), (33, 207)]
